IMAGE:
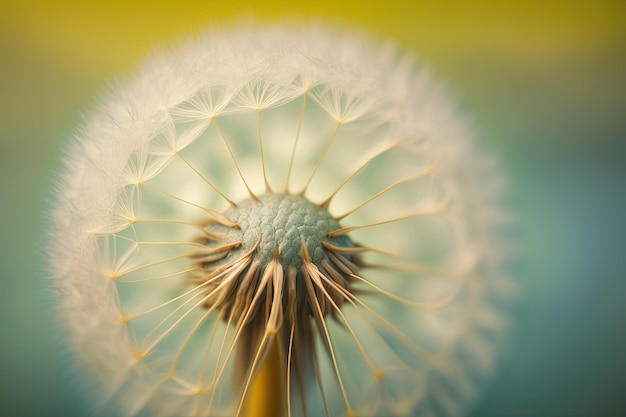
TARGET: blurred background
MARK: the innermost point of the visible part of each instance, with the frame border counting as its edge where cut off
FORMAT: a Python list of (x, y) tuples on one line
[(544, 82)]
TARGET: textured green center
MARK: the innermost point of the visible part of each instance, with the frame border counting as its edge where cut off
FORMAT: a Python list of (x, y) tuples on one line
[(283, 222), (237, 271)]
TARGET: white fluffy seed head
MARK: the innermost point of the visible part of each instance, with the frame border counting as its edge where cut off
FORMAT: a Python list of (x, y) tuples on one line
[(352, 127)]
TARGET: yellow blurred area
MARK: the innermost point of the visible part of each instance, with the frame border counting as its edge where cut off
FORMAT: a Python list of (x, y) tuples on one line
[(114, 33), (56, 53)]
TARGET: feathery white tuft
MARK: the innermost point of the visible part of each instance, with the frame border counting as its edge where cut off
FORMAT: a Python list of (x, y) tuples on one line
[(162, 152)]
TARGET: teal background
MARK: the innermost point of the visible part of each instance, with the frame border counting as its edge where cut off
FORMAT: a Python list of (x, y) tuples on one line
[(544, 82)]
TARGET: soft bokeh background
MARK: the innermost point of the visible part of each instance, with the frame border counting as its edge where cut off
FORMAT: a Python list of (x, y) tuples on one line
[(545, 82)]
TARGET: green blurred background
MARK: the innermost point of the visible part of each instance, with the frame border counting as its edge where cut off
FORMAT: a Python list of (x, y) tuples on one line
[(545, 82)]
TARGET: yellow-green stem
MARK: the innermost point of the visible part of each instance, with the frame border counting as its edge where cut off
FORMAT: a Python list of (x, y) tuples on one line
[(267, 397)]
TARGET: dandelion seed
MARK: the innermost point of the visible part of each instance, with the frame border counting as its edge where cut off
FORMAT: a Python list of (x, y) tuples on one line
[(371, 284)]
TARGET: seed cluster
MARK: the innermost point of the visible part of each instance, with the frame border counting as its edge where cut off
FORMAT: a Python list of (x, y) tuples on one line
[(274, 269)]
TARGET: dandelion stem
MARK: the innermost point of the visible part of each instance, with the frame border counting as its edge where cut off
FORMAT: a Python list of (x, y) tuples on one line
[(267, 398)]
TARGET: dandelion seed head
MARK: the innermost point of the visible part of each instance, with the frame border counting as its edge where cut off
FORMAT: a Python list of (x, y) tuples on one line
[(302, 194)]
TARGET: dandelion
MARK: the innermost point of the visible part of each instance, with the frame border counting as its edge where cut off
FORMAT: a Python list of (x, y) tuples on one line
[(287, 221)]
